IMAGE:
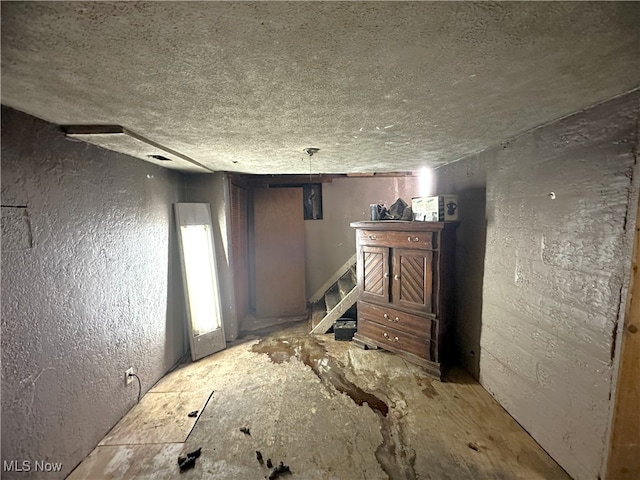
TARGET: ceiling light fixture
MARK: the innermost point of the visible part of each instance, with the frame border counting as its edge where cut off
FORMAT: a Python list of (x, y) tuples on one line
[(425, 182), (310, 150)]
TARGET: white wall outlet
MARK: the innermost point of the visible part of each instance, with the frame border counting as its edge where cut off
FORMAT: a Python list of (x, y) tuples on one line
[(127, 376)]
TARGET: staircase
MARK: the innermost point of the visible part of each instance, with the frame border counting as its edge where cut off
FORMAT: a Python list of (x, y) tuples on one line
[(334, 298)]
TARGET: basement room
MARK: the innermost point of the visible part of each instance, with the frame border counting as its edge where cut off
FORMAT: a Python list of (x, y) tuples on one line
[(320, 240)]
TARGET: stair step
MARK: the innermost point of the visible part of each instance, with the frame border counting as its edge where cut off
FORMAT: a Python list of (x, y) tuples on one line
[(346, 283), (332, 297)]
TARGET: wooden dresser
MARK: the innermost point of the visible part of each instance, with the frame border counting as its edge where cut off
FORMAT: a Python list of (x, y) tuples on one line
[(405, 283)]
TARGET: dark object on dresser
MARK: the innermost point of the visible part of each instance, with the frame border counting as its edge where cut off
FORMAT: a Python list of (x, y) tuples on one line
[(396, 210), (344, 329), (405, 283)]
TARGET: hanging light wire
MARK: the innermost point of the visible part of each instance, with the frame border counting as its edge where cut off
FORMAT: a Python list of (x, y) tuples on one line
[(310, 151)]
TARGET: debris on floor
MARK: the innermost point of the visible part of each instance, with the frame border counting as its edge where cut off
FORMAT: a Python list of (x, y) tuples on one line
[(195, 453), (281, 469), (269, 464), (245, 430), (188, 462), (193, 414), (259, 457), (473, 446)]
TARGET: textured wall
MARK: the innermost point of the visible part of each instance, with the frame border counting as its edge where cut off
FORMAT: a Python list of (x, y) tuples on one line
[(88, 278), (214, 190), (330, 241), (554, 273)]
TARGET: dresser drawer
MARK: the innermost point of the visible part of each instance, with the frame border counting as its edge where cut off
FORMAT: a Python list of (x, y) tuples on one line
[(416, 325), (393, 339), (423, 240)]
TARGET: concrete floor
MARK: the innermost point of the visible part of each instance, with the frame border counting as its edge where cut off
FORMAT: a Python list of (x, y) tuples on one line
[(326, 409)]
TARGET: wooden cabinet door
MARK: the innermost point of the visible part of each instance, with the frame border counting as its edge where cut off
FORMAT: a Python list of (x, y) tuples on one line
[(373, 274), (412, 285)]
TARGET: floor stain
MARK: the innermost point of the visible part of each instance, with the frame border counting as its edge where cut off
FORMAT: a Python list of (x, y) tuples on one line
[(311, 352), (426, 386), (395, 457)]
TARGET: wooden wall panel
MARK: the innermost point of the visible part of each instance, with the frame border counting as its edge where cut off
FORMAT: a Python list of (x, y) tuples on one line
[(624, 457), (279, 252), (239, 249)]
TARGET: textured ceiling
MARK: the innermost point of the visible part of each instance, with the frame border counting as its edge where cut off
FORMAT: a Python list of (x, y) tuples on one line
[(376, 86)]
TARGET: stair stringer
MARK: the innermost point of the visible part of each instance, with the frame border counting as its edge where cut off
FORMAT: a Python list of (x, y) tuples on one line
[(345, 304)]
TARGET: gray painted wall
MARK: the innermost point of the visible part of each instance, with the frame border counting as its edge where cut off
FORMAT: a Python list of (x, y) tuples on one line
[(214, 189), (330, 242), (88, 277), (539, 309)]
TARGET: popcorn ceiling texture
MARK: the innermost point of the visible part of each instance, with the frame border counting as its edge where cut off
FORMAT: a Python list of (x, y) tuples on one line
[(96, 292), (377, 86), (537, 314)]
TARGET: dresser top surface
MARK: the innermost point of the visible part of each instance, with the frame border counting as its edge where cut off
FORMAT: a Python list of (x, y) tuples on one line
[(403, 225)]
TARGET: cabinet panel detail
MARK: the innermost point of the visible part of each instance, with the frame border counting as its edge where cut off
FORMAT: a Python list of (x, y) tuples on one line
[(373, 273), (413, 277), (374, 266)]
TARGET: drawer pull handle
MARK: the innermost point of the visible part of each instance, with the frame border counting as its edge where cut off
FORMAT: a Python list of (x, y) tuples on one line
[(387, 317), (386, 275), (413, 239), (373, 237), (397, 277), (391, 339)]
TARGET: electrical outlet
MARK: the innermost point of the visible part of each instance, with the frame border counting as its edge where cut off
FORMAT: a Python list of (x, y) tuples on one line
[(127, 376)]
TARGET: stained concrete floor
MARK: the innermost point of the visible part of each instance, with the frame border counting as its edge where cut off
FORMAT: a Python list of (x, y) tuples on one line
[(326, 409)]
